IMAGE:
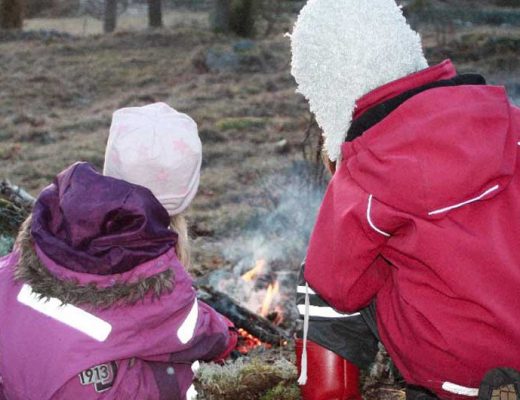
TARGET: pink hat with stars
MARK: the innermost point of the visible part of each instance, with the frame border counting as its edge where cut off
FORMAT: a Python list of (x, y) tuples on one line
[(159, 148)]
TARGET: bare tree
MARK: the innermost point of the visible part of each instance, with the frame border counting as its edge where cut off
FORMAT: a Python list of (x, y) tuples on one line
[(244, 16), (220, 16), (155, 14), (110, 16), (11, 14), (237, 16)]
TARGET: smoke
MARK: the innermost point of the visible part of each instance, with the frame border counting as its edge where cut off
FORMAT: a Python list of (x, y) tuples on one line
[(513, 89), (278, 236), (511, 83), (280, 232), (6, 244)]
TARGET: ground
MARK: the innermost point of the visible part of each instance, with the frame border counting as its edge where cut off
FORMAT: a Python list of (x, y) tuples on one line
[(58, 93)]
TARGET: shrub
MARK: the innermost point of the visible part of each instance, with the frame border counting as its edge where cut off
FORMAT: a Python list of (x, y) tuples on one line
[(508, 3), (237, 16), (243, 16), (35, 8)]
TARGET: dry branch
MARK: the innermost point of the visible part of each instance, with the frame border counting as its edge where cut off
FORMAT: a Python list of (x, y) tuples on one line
[(15, 206), (16, 194)]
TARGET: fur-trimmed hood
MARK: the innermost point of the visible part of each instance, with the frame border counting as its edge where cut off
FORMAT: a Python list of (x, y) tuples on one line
[(97, 240), (76, 288)]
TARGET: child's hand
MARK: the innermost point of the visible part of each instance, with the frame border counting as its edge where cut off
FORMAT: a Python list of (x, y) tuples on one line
[(232, 342)]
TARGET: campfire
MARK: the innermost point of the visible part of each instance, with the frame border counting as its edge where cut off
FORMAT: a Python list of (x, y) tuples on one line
[(253, 298), (272, 291), (255, 271), (247, 341), (268, 307)]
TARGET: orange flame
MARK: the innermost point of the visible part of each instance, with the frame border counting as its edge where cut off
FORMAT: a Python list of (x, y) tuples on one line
[(257, 270), (272, 291)]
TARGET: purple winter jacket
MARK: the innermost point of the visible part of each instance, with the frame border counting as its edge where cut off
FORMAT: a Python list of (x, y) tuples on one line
[(128, 350)]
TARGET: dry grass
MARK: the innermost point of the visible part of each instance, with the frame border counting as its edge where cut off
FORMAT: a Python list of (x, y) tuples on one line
[(57, 101)]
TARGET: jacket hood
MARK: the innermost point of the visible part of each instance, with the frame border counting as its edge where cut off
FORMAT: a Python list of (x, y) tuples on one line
[(438, 150), (341, 50), (51, 280), (91, 224)]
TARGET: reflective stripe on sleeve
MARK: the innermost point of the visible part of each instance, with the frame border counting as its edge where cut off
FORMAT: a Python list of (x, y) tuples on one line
[(187, 329), (457, 389), (301, 289), (324, 312)]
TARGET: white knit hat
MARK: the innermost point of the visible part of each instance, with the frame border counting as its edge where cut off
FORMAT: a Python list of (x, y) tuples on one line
[(343, 49), (159, 148)]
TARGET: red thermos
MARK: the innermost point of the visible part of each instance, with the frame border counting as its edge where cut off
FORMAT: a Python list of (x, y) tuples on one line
[(329, 376)]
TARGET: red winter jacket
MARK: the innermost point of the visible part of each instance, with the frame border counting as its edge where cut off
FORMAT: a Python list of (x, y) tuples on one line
[(434, 189)]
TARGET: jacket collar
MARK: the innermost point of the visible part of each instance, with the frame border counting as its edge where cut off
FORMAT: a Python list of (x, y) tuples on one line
[(377, 113), (442, 71)]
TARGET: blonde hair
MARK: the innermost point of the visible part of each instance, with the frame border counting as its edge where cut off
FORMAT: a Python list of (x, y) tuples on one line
[(182, 248)]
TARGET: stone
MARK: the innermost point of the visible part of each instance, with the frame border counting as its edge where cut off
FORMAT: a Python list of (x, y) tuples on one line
[(244, 45), (218, 60)]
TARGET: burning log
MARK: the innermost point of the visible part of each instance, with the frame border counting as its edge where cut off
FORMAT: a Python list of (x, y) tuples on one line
[(256, 325)]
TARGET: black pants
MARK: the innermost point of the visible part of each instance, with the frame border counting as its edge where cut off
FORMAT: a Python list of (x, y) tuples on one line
[(353, 337)]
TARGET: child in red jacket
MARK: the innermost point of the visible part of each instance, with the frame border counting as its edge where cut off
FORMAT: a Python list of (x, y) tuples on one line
[(419, 220)]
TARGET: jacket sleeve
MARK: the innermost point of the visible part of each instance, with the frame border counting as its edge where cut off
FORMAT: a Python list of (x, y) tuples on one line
[(211, 338), (178, 327), (343, 262), (201, 333)]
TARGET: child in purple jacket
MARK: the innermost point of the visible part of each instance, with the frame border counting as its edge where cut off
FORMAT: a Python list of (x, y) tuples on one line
[(95, 301)]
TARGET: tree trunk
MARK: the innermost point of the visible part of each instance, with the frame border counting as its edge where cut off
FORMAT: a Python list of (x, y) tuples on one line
[(243, 16), (11, 14), (155, 14), (220, 16), (110, 17)]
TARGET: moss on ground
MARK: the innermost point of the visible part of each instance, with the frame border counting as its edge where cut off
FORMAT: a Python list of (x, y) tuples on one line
[(248, 380)]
